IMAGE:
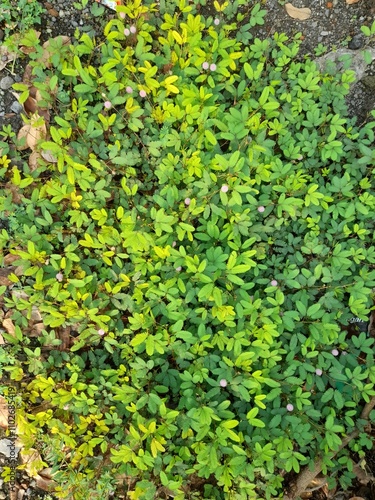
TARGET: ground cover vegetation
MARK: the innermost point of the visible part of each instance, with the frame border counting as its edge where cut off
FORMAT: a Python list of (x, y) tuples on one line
[(196, 233)]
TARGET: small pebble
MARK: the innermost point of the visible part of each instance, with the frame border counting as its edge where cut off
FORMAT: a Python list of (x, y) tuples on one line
[(16, 107), (356, 42), (6, 83), (324, 33)]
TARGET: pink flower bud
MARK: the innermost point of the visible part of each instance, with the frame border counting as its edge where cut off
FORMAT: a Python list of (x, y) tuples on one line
[(129, 90), (142, 93), (261, 209), (108, 104), (205, 65), (122, 15), (335, 352), (59, 276), (133, 29), (223, 382), (274, 283), (290, 407), (319, 372), (126, 32), (101, 332), (216, 22), (224, 188), (187, 201), (213, 67)]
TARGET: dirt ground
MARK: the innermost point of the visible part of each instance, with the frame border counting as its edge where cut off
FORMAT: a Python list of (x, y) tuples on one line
[(334, 24)]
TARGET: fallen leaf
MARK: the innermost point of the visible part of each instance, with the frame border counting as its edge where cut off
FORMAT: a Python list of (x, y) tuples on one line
[(350, 2), (296, 13), (44, 484), (356, 498), (9, 327), (2, 341), (33, 160), (6, 56), (3, 413), (32, 134), (49, 156), (45, 59), (9, 258), (32, 461)]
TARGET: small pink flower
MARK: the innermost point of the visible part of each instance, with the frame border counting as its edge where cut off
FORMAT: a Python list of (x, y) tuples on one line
[(59, 276), (213, 67), (187, 201), (66, 407), (319, 372), (101, 332), (122, 15), (142, 93), (179, 268), (174, 244), (290, 407), (205, 65), (335, 352), (133, 29), (224, 188), (126, 32), (216, 22), (261, 209), (108, 104), (223, 382), (274, 283), (129, 90)]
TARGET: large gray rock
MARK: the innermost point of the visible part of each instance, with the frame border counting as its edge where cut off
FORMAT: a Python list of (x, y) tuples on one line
[(357, 64)]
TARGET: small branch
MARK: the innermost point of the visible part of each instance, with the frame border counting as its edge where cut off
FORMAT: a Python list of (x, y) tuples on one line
[(307, 475)]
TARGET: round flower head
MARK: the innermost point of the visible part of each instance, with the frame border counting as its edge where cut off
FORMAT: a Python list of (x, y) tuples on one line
[(174, 244), (216, 22), (126, 32), (122, 15), (213, 67), (59, 276), (223, 382), (205, 65), (261, 209), (319, 372), (273, 283), (179, 268), (101, 332), (224, 188), (108, 104), (133, 29), (129, 90), (335, 352), (290, 407), (187, 201), (142, 93)]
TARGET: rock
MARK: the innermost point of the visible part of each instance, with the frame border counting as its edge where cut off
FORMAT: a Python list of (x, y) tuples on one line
[(369, 81), (324, 33), (16, 107), (6, 82), (356, 42), (357, 63)]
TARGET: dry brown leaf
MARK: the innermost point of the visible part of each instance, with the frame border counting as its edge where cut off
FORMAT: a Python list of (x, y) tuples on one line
[(32, 135), (350, 2), (9, 258), (47, 53), (11, 188), (32, 461), (45, 484), (9, 327), (6, 56), (37, 330), (356, 498), (2, 341), (3, 413), (49, 156), (33, 160), (296, 13)]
